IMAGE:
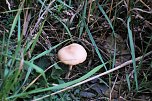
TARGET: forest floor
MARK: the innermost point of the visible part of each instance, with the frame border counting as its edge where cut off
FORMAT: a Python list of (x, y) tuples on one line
[(117, 35)]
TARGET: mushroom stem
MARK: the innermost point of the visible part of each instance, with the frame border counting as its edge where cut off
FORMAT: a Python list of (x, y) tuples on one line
[(69, 72)]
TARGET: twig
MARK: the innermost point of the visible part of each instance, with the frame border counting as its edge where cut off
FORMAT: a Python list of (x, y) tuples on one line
[(9, 6), (112, 89), (97, 76), (89, 10), (41, 17)]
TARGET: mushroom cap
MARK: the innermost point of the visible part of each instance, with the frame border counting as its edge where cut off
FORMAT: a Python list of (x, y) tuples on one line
[(72, 54)]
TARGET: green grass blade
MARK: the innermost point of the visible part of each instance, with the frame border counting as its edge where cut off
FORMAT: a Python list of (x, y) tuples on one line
[(66, 28), (105, 15), (94, 44), (63, 3), (128, 82), (8, 83), (36, 37), (15, 10), (60, 1), (113, 31), (17, 17), (38, 69), (48, 51), (15, 21), (114, 54), (148, 43), (19, 30), (29, 70), (19, 40), (83, 19), (60, 86), (132, 50), (30, 64), (2, 59)]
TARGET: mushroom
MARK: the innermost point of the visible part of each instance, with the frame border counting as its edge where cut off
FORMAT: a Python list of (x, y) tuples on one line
[(71, 55)]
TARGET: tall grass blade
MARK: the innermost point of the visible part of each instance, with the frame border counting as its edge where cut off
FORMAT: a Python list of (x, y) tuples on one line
[(19, 40), (36, 37), (105, 15), (15, 20), (94, 44), (67, 29), (1, 56), (83, 19), (132, 50), (113, 31), (48, 51), (128, 82), (13, 27)]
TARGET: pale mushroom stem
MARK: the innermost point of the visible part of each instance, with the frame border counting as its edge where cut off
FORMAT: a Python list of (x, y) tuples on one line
[(69, 72)]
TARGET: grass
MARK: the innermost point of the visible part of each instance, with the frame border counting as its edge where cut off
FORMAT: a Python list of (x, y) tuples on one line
[(31, 35)]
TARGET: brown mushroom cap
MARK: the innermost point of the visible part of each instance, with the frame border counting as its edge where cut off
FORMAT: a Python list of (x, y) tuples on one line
[(72, 54)]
